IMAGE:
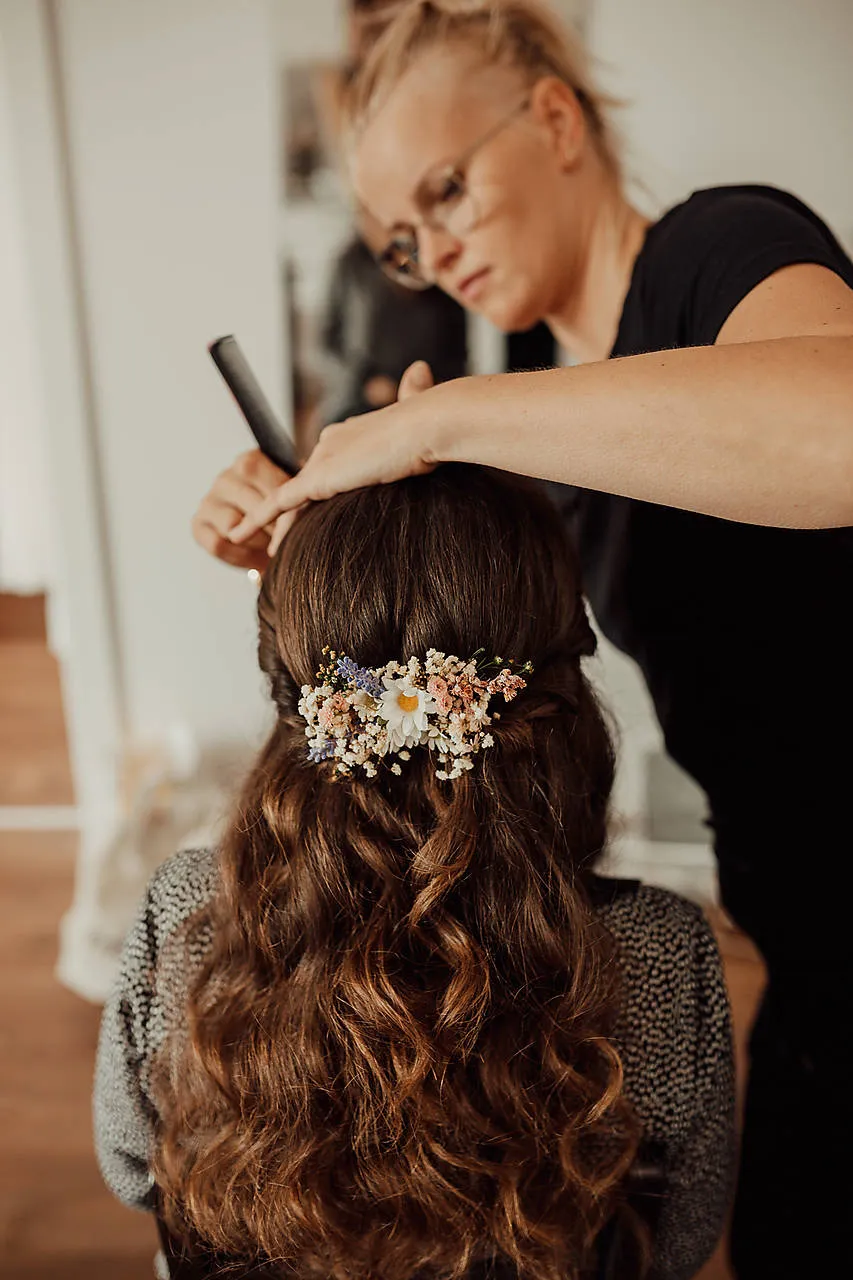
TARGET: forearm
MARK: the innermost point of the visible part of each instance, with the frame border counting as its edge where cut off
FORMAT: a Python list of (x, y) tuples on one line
[(760, 432)]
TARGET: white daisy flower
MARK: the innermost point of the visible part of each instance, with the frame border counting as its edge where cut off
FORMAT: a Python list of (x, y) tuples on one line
[(405, 710)]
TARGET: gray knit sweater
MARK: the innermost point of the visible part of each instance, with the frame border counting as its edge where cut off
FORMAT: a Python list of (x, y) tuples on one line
[(674, 1037)]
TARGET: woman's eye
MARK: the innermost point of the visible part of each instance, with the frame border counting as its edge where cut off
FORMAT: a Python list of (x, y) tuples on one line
[(400, 253), (451, 189)]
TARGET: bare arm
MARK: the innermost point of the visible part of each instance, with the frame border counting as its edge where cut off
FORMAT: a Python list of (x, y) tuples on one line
[(759, 432), (758, 428)]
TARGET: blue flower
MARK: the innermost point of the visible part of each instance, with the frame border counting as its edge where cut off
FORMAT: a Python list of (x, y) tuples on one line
[(324, 752), (361, 677)]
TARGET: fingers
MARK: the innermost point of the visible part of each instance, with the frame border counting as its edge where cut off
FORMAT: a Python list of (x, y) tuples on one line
[(250, 555), (257, 471), (221, 515), (287, 497), (215, 519), (418, 377), (283, 525), (374, 448), (251, 478), (235, 495), (219, 519)]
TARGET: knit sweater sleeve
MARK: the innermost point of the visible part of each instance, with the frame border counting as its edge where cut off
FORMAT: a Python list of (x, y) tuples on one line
[(133, 1026)]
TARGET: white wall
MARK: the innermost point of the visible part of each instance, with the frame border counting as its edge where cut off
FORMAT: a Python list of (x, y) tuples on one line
[(309, 31), (734, 91), (25, 542), (171, 119)]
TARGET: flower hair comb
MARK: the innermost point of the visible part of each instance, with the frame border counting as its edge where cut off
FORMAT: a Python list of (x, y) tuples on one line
[(359, 716)]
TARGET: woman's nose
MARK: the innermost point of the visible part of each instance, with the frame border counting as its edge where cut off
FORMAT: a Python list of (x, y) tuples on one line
[(438, 251)]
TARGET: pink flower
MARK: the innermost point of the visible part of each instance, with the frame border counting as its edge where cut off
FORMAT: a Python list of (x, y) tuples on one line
[(330, 708), (438, 688)]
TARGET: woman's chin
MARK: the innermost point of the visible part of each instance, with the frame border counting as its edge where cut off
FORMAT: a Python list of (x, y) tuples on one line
[(511, 315)]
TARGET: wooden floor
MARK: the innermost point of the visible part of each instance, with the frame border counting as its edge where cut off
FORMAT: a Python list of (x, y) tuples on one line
[(57, 1221), (56, 1218), (34, 767)]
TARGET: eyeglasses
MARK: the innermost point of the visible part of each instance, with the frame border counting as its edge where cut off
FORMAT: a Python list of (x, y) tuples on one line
[(446, 203)]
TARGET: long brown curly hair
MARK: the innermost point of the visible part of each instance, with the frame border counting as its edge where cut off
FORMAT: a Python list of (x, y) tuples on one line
[(396, 1060)]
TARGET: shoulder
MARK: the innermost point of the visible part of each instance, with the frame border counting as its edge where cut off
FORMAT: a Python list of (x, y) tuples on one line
[(146, 1000), (703, 256), (666, 944), (650, 918), (167, 942), (668, 953), (709, 216), (171, 932), (181, 888), (674, 1029)]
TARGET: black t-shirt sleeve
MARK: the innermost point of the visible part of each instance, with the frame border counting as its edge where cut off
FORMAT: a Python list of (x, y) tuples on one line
[(739, 238)]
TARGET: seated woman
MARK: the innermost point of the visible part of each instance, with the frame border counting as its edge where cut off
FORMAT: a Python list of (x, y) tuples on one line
[(397, 1025)]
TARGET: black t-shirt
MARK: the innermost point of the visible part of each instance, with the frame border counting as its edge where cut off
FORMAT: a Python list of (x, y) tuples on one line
[(743, 633)]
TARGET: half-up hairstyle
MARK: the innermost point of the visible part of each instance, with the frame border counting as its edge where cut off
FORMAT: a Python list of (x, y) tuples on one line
[(397, 1062), (523, 34)]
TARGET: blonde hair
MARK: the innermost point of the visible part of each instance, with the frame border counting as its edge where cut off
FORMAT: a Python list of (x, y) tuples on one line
[(522, 34)]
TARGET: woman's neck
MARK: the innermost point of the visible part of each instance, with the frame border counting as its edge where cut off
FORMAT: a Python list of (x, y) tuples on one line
[(587, 321)]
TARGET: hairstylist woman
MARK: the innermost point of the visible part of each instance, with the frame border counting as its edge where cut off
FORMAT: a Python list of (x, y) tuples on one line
[(481, 145)]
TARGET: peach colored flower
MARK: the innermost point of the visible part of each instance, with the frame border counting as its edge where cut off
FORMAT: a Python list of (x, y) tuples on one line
[(332, 707), (463, 690), (438, 688), (507, 684)]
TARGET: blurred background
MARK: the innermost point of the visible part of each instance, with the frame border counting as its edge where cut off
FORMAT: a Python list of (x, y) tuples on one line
[(169, 173)]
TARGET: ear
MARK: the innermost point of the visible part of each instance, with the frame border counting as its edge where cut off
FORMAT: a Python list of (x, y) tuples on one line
[(555, 107)]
